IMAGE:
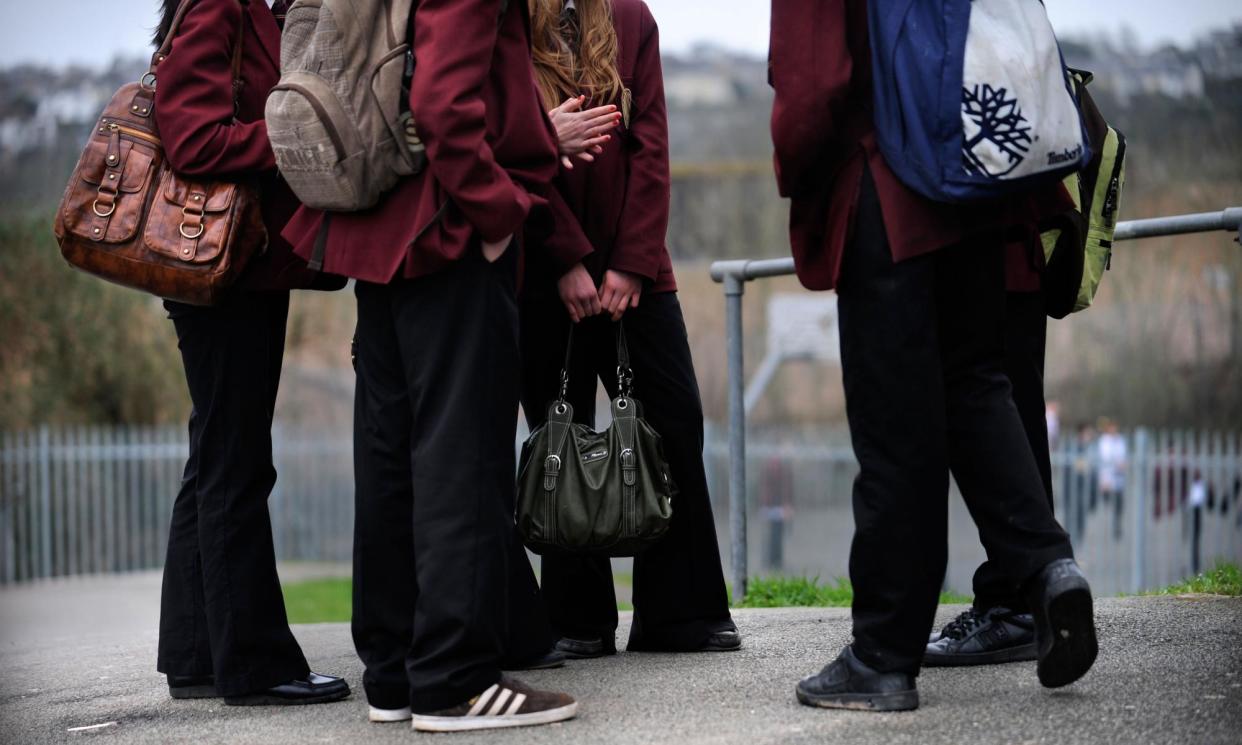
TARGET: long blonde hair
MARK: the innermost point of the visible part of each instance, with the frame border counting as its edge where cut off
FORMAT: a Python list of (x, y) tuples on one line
[(589, 68)]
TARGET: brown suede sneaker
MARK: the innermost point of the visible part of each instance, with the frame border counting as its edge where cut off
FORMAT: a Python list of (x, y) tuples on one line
[(508, 703)]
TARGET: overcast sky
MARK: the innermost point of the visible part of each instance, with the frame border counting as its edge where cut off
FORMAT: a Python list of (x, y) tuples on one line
[(94, 31)]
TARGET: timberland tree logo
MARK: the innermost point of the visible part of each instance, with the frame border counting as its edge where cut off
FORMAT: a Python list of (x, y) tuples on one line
[(997, 136)]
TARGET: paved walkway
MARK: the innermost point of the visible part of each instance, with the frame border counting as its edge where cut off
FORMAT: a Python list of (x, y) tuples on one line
[(1170, 670)]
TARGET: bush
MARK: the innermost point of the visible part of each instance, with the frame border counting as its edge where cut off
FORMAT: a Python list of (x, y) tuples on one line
[(77, 349)]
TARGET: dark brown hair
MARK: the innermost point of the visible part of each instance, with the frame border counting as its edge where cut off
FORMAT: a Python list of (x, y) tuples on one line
[(166, 19)]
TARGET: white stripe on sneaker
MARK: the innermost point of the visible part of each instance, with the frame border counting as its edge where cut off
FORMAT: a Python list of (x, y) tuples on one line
[(518, 700), (481, 702), (505, 693)]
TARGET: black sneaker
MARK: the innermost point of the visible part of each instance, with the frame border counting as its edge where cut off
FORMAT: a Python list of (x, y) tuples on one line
[(846, 683), (1064, 623), (508, 703), (983, 638)]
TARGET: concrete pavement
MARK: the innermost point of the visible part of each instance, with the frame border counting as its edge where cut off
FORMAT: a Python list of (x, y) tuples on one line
[(1170, 670)]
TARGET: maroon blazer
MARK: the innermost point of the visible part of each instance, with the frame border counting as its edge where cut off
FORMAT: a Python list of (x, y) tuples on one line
[(820, 67), (194, 114), (491, 150), (617, 207)]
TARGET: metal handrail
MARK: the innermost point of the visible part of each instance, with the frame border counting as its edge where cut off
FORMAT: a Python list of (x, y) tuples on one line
[(734, 275)]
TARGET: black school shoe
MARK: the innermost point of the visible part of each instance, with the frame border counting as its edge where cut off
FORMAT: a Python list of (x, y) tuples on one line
[(582, 649), (549, 660), (192, 686), (1064, 623), (724, 638), (989, 637), (316, 689), (847, 683)]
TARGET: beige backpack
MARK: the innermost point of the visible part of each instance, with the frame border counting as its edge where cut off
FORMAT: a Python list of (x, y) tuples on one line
[(339, 118)]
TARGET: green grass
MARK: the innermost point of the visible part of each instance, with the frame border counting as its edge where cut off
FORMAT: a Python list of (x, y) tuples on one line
[(1223, 579), (804, 592), (329, 600), (319, 601)]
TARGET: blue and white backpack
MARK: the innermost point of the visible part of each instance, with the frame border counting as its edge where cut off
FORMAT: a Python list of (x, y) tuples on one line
[(972, 99)]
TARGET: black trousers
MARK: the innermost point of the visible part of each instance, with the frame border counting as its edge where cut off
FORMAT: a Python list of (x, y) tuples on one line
[(923, 361), (221, 609), (438, 567), (1026, 332), (679, 587)]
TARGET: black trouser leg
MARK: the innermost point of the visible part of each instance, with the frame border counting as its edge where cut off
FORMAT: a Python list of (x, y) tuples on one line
[(679, 588), (990, 452), (1026, 326), (220, 575), (184, 646), (679, 585), (921, 356), (436, 358), (385, 588)]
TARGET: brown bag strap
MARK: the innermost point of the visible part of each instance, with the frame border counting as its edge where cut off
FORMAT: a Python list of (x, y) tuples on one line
[(149, 80)]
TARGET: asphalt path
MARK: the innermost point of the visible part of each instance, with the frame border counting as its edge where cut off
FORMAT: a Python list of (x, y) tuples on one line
[(1170, 670)]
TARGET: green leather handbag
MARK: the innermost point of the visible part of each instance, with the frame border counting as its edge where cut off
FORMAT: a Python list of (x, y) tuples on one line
[(604, 493)]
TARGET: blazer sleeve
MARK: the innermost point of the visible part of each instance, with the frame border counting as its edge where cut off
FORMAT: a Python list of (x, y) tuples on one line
[(810, 69), (567, 245), (454, 45), (641, 237), (194, 99)]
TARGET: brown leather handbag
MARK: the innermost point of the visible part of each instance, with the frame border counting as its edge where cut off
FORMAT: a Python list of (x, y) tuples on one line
[(127, 217)]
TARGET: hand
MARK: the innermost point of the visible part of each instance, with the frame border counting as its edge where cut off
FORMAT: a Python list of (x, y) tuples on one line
[(582, 133), (621, 291), (577, 291), (493, 251)]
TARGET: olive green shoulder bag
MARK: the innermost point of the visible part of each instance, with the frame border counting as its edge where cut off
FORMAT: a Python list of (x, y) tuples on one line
[(603, 493)]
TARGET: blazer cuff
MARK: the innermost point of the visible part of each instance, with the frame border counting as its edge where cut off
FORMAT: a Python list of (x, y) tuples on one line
[(648, 270)]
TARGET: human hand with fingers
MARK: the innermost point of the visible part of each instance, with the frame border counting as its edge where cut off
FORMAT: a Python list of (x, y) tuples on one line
[(582, 134), (578, 293), (620, 292)]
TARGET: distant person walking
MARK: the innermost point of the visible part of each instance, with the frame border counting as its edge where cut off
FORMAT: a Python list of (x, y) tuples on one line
[(607, 262), (922, 300), (223, 628), (1197, 501), (1112, 461)]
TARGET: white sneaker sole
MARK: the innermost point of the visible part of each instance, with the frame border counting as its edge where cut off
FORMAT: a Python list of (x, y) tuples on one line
[(424, 723), (388, 716)]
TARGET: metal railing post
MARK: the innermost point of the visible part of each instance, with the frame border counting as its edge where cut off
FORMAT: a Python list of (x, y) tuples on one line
[(734, 287), (1139, 484)]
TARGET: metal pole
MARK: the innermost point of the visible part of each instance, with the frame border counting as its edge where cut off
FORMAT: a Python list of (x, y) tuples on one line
[(734, 286), (45, 504), (1138, 486)]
